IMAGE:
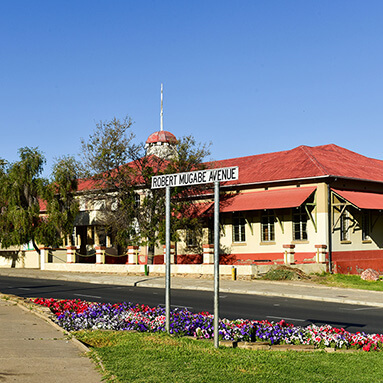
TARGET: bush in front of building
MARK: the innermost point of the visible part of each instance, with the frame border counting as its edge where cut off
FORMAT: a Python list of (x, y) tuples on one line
[(284, 273)]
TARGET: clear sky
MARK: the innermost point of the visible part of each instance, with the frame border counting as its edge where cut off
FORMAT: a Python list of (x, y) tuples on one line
[(251, 76)]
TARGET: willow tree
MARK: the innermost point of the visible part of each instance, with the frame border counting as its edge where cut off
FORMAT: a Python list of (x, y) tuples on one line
[(62, 206), (26, 197), (21, 188)]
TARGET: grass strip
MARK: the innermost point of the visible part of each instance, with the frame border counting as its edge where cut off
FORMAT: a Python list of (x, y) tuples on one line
[(285, 273), (347, 281), (144, 357)]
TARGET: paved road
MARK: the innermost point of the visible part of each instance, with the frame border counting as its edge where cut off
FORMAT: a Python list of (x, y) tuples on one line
[(298, 311)]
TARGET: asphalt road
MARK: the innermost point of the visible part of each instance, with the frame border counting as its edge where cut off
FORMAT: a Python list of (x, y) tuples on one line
[(300, 312)]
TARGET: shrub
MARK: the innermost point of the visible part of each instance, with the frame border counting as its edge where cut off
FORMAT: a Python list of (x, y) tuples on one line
[(284, 273)]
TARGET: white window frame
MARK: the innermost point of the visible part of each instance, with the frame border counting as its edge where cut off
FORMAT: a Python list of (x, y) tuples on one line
[(268, 228), (303, 234), (239, 228), (137, 200)]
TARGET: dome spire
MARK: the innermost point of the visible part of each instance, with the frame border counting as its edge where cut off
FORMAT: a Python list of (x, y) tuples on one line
[(161, 143), (162, 108)]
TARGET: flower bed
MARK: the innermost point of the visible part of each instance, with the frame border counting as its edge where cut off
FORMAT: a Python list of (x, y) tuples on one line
[(74, 315)]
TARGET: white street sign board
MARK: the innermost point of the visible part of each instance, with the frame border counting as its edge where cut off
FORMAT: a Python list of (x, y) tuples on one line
[(195, 178)]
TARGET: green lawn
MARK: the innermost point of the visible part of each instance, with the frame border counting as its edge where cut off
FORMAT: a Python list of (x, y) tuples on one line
[(347, 281), (143, 357), (284, 273)]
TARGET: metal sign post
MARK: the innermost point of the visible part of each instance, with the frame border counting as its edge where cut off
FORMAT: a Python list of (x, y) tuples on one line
[(167, 260), (216, 264), (189, 179)]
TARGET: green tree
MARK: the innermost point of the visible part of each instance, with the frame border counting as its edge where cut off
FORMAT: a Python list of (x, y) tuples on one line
[(24, 194), (62, 204), (107, 149), (122, 173), (21, 188)]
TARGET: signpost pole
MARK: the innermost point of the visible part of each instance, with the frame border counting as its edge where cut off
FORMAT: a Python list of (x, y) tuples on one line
[(189, 179), (167, 260), (216, 264)]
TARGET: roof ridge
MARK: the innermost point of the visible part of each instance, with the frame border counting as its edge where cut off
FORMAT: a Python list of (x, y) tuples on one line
[(313, 159), (340, 149)]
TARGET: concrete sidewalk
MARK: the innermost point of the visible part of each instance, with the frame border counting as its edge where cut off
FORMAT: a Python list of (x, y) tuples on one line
[(35, 351), (288, 289)]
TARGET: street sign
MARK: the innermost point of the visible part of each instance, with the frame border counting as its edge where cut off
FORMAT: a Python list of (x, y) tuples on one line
[(189, 179), (195, 178)]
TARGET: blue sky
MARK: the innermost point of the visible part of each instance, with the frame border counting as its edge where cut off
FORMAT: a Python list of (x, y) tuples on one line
[(250, 76)]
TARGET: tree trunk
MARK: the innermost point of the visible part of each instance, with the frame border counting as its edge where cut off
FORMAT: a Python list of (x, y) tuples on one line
[(36, 247)]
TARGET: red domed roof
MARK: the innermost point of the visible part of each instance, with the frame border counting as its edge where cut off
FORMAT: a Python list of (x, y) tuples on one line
[(161, 136)]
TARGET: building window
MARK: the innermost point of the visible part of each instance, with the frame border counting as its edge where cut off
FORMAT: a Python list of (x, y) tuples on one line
[(366, 228), (210, 236), (191, 238), (239, 229), (267, 226), (210, 231), (345, 227), (101, 231), (300, 224), (137, 200)]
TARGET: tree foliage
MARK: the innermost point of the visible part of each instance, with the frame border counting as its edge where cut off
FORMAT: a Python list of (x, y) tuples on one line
[(108, 148), (123, 175), (24, 194), (21, 188), (62, 204)]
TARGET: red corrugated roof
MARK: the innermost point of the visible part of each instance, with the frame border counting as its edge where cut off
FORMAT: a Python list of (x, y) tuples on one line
[(196, 210), (90, 184), (363, 200), (132, 172), (304, 162), (268, 199)]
